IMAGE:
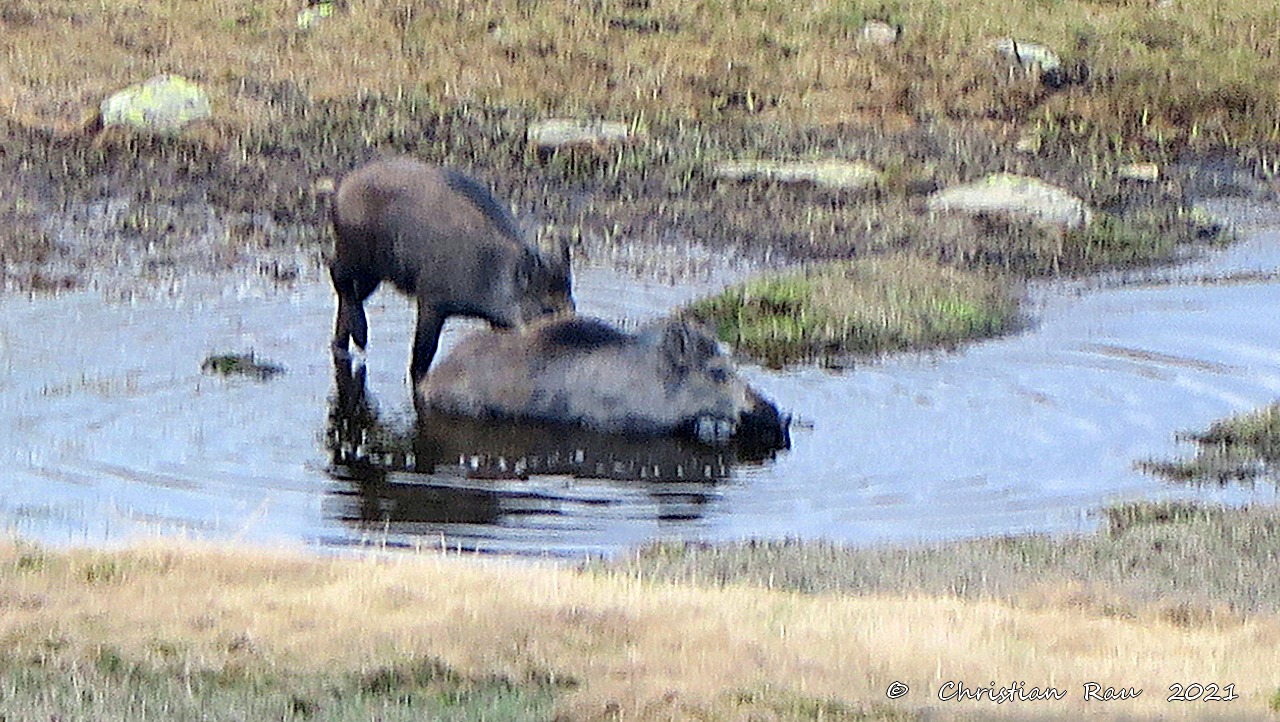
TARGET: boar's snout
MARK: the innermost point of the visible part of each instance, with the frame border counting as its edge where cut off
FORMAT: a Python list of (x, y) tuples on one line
[(549, 306), (544, 287), (560, 307), (756, 425), (762, 425)]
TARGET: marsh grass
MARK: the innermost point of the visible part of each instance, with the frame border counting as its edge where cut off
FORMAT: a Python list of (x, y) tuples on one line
[(865, 307), (1240, 448), (188, 631), (1259, 430), (1184, 563), (1110, 241)]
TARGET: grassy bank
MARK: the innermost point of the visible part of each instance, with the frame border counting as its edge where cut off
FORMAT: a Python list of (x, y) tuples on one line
[(327, 638), (867, 307), (1239, 448), (1183, 563)]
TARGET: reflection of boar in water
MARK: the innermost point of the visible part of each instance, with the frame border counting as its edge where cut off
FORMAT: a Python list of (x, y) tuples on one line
[(668, 378), (442, 238)]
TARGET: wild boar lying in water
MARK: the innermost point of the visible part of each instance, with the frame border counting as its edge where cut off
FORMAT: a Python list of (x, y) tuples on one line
[(669, 378), (440, 237)]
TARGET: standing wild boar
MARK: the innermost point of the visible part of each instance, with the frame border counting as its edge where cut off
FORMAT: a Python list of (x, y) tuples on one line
[(669, 378), (440, 237)]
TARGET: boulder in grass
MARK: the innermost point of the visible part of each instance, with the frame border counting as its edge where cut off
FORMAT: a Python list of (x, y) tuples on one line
[(1025, 53), (164, 104), (1034, 55), (876, 32), (560, 133), (840, 174), (1015, 195), (1142, 172)]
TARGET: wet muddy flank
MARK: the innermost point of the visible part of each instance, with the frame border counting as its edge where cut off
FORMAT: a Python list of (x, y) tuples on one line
[(113, 431)]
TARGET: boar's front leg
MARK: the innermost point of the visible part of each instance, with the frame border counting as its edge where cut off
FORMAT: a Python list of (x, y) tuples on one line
[(351, 324), (425, 340)]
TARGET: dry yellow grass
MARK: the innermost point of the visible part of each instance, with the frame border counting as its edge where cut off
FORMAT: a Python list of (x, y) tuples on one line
[(1193, 69), (639, 650)]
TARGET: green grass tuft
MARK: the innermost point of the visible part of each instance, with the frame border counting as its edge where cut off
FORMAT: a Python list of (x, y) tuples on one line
[(1243, 447), (240, 365), (865, 307), (1112, 241)]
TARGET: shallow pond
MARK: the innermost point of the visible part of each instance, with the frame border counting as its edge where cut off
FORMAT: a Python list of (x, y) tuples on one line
[(111, 431)]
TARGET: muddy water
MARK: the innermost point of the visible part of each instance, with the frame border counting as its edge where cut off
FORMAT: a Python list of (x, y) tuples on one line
[(109, 430)]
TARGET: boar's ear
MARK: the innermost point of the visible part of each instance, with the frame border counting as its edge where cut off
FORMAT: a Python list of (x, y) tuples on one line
[(683, 345), (526, 269), (565, 261)]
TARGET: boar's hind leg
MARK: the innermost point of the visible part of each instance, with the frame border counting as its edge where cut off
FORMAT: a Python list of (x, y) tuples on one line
[(351, 324), (425, 340)]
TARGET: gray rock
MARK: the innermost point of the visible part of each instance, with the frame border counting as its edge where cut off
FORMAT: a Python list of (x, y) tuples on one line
[(1029, 143), (1145, 172), (879, 33), (1028, 54), (164, 104), (842, 174), (563, 132), (1015, 195)]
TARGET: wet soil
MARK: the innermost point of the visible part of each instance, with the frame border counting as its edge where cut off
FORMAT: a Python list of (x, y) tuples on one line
[(81, 208)]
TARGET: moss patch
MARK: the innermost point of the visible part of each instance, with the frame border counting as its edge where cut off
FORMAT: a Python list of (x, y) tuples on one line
[(869, 306), (240, 365)]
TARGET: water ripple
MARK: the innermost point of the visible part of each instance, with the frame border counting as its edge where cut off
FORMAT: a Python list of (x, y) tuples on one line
[(111, 430)]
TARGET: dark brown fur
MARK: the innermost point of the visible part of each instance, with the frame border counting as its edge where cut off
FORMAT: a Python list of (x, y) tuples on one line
[(440, 237)]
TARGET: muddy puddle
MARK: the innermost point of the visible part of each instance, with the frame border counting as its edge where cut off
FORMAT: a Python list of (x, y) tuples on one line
[(111, 431)]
